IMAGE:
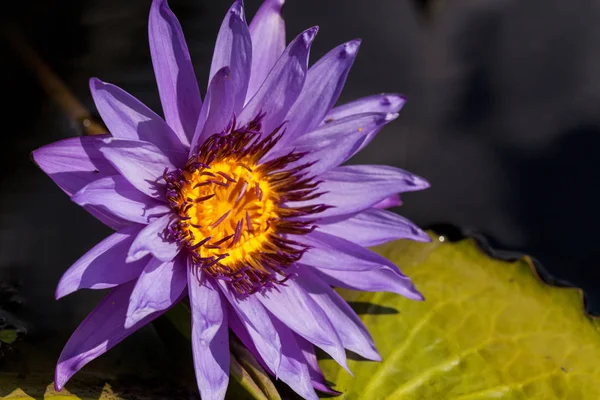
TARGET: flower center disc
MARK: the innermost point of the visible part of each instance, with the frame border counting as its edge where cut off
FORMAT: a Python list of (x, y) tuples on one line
[(233, 208)]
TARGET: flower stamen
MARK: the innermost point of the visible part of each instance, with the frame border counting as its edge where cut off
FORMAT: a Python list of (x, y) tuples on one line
[(225, 197)]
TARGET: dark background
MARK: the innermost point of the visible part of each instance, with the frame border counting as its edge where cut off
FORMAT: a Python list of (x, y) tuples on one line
[(503, 119)]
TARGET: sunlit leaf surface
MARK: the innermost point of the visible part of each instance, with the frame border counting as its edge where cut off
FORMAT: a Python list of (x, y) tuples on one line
[(489, 329)]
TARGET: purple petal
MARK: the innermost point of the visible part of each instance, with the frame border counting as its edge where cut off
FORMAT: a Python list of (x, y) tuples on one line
[(153, 239), (292, 369), (391, 201), (384, 279), (127, 118), (282, 86), (354, 335), (332, 252), (324, 83), (210, 341), (333, 144), (117, 196), (353, 188), (293, 306), (318, 379), (384, 103), (257, 323), (75, 162), (159, 286), (99, 332), (380, 103), (177, 85), (141, 163), (217, 110), (104, 265), (373, 227), (233, 49), (240, 329), (267, 31), (262, 349)]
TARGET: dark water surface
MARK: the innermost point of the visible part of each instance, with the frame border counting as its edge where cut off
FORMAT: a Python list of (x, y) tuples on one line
[(503, 118)]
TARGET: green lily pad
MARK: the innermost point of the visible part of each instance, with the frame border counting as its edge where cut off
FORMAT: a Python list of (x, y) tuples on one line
[(489, 329), (8, 335)]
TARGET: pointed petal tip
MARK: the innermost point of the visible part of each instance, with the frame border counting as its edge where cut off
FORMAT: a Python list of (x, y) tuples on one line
[(237, 10), (413, 294), (136, 256), (393, 100), (60, 378), (369, 352), (347, 368), (350, 49), (405, 287), (421, 236), (97, 84), (341, 358), (36, 155), (160, 5), (391, 116), (60, 291), (93, 81), (225, 72), (421, 183), (136, 315), (326, 389), (275, 5), (415, 182), (309, 35)]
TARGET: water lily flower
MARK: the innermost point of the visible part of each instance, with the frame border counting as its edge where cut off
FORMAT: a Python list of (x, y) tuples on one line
[(239, 202)]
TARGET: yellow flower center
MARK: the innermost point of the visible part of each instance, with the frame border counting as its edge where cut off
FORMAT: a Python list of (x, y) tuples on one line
[(234, 206), (234, 215)]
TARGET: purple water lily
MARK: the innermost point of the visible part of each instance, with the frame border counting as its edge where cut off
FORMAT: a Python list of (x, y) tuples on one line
[(238, 202)]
